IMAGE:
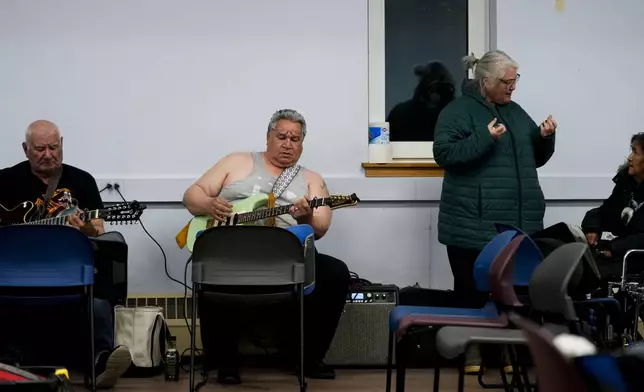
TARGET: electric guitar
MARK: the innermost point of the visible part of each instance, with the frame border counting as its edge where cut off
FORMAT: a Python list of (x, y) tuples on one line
[(251, 209), (119, 213)]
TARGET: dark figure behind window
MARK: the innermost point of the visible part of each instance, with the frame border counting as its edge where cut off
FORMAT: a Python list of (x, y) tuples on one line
[(414, 120)]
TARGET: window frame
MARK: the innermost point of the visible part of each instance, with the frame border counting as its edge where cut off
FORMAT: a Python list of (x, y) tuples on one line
[(478, 37)]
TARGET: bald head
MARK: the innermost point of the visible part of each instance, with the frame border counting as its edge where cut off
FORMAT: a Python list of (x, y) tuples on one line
[(43, 147), (41, 128)]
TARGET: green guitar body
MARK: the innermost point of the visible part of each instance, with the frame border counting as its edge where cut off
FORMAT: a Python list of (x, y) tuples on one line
[(199, 223)]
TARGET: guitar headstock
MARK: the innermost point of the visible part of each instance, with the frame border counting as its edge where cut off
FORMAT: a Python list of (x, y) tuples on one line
[(123, 213), (339, 201)]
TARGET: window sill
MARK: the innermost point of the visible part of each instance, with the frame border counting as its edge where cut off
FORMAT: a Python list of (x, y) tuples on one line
[(402, 169)]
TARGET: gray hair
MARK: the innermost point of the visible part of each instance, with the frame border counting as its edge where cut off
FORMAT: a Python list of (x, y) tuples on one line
[(289, 115), (492, 65)]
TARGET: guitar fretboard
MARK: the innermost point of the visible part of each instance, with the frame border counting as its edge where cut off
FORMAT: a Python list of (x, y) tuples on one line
[(85, 216), (270, 212)]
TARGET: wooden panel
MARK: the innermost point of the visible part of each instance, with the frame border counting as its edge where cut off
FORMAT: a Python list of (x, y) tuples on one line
[(403, 169)]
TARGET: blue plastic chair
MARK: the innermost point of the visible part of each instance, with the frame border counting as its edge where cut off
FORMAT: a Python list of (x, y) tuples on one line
[(529, 256), (604, 370), (48, 265), (488, 312)]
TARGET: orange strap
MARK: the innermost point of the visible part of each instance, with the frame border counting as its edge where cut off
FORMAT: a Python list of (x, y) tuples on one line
[(271, 204), (182, 236)]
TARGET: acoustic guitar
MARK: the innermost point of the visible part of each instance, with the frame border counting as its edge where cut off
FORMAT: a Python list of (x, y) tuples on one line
[(252, 209)]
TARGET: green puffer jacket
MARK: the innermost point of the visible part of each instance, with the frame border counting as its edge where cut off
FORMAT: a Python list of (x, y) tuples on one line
[(488, 181)]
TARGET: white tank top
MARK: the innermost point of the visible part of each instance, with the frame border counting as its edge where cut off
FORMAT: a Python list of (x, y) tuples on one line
[(261, 181)]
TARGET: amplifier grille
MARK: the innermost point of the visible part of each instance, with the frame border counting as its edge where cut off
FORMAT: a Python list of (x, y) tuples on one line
[(362, 335)]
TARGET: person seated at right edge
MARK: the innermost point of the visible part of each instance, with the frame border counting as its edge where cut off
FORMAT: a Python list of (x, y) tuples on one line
[(240, 175), (621, 216)]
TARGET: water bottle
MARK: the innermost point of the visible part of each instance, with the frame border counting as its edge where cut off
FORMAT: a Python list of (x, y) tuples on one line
[(172, 360)]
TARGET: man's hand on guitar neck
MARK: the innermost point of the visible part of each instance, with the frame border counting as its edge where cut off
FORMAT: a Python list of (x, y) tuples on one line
[(86, 228), (301, 210)]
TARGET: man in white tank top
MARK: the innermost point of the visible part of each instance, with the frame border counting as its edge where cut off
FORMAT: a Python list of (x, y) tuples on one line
[(241, 174)]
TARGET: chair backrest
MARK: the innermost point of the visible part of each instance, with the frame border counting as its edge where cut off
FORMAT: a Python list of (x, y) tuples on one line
[(306, 235), (45, 256), (248, 256), (528, 257), (630, 363), (485, 259), (502, 273), (603, 370), (110, 264), (555, 373), (549, 283)]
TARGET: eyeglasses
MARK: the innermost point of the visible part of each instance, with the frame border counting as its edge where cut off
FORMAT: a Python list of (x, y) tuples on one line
[(510, 82)]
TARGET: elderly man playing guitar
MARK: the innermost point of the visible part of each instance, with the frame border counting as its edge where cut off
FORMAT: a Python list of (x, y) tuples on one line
[(243, 174), (47, 185)]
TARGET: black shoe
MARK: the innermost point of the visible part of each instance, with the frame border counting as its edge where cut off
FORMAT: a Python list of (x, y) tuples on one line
[(110, 366), (228, 377), (319, 370)]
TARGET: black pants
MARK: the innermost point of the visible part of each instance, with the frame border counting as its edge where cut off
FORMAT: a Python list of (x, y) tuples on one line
[(461, 261), (222, 323)]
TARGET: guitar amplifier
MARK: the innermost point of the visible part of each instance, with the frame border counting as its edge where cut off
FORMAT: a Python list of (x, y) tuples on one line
[(362, 336)]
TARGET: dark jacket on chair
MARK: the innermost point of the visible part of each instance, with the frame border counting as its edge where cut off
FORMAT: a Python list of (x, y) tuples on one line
[(488, 181), (620, 215)]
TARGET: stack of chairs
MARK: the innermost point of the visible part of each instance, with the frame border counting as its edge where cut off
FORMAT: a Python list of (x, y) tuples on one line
[(506, 246), (510, 261), (615, 371)]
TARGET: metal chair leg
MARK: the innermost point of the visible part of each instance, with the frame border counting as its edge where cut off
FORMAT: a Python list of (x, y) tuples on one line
[(302, 377), (193, 335), (437, 371), (91, 339), (390, 360), (461, 374), (518, 371), (504, 379), (400, 351)]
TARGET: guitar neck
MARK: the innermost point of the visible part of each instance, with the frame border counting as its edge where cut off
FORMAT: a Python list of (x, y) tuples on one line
[(85, 216), (279, 210)]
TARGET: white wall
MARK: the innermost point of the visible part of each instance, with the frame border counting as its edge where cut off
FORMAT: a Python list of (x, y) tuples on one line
[(124, 131), (162, 88), (383, 242)]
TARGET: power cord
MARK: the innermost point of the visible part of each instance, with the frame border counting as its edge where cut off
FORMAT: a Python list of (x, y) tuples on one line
[(184, 283), (356, 283), (198, 351), (165, 258)]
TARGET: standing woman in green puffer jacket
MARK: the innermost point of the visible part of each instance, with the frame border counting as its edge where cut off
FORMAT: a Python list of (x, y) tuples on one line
[(490, 150)]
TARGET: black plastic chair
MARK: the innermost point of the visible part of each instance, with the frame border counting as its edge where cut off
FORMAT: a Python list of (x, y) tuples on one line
[(254, 256)]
